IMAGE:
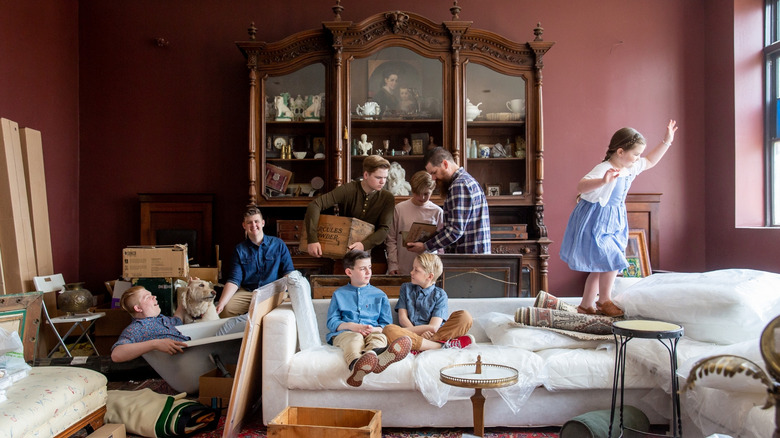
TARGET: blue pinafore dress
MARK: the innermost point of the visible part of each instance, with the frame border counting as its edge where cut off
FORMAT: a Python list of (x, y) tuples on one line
[(596, 237)]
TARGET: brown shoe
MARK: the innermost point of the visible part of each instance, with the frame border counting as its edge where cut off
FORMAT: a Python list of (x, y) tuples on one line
[(608, 308), (364, 366), (587, 310)]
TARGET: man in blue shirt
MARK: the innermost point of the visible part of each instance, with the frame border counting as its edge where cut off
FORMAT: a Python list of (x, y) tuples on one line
[(356, 316), (466, 219), (257, 261)]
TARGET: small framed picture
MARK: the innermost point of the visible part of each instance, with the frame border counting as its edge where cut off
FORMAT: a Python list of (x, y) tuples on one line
[(318, 145), (493, 190), (417, 147), (637, 255)]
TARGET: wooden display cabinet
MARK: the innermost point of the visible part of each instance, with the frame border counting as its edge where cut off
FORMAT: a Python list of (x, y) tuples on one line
[(344, 66)]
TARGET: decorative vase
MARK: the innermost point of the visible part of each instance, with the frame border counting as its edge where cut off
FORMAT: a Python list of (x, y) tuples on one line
[(74, 299)]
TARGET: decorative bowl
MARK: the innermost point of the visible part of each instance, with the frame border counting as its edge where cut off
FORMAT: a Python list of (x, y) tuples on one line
[(300, 155)]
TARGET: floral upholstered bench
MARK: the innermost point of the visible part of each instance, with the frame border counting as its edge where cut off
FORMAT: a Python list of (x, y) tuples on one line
[(54, 402)]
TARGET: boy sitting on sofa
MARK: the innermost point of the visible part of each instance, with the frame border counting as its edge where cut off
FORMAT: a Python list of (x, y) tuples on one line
[(149, 330), (356, 316), (422, 311)]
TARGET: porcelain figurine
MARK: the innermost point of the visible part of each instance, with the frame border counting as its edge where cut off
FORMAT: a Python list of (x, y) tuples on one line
[(364, 146), (368, 109)]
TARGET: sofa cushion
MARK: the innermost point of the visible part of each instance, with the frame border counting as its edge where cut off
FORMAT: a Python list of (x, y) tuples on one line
[(577, 369), (736, 383), (324, 367), (724, 307), (502, 330), (305, 318)]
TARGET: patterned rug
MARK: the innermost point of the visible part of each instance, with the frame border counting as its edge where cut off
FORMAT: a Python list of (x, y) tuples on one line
[(255, 428), (559, 319), (259, 431)]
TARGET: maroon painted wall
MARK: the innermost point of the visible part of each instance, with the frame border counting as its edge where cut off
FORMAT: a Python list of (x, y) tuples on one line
[(735, 135), (174, 119), (39, 90)]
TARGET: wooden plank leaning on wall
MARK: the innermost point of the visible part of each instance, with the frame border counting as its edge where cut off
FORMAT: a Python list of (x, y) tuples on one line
[(16, 237)]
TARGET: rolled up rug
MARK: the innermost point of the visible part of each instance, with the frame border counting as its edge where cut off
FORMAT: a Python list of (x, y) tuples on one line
[(562, 320), (549, 301)]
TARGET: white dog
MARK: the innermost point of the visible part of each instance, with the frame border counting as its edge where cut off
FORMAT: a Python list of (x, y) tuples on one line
[(313, 111), (197, 298)]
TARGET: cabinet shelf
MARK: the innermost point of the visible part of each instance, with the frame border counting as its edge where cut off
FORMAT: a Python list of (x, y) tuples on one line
[(422, 74)]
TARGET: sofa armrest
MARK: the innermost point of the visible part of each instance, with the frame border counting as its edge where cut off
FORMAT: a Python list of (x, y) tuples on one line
[(279, 345)]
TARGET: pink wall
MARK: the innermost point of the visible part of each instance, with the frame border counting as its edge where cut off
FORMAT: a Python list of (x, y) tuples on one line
[(734, 135), (174, 119), (39, 90)]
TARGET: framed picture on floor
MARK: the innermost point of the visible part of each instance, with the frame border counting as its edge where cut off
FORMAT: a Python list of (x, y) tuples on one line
[(637, 255)]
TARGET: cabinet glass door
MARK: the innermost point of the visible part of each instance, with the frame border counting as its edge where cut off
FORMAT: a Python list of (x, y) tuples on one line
[(295, 149), (395, 110), (495, 149)]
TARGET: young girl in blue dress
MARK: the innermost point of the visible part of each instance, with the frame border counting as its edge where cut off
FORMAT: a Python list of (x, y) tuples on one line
[(597, 233)]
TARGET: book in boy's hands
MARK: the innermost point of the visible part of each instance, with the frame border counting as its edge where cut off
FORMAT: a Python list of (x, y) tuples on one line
[(419, 232)]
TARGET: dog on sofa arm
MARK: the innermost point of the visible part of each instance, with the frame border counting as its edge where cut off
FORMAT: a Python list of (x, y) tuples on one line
[(197, 298)]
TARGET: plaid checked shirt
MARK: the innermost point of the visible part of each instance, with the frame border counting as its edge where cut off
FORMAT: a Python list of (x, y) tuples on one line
[(466, 218)]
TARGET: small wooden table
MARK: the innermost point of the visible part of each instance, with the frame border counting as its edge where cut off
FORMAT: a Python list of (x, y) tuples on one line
[(478, 376)]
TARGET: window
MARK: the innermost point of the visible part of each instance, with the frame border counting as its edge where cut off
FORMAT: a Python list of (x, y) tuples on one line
[(772, 110)]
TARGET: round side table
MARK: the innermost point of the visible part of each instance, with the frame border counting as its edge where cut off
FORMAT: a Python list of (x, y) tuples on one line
[(668, 335), (478, 376)]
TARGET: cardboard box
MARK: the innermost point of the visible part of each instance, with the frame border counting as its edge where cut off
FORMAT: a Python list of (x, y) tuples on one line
[(162, 288), (155, 261), (113, 323), (109, 431), (204, 273), (119, 288), (295, 422), (215, 384), (337, 233)]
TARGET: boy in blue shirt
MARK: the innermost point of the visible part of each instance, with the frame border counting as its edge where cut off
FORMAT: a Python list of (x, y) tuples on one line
[(149, 330), (356, 315), (422, 311)]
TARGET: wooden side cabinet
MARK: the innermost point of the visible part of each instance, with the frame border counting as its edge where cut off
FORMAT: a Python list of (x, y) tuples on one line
[(169, 218)]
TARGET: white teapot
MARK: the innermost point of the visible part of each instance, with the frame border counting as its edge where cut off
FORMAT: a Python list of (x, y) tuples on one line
[(369, 109), (472, 111)]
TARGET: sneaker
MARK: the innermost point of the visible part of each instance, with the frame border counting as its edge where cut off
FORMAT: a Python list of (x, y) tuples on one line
[(608, 308), (365, 365), (396, 351), (459, 342)]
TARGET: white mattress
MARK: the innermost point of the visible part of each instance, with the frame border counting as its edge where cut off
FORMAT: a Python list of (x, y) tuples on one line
[(50, 400)]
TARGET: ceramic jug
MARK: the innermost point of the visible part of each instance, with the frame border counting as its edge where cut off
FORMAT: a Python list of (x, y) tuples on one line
[(472, 111)]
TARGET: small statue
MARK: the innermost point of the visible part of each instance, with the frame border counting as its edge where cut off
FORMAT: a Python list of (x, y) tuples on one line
[(431, 144), (407, 147), (364, 146), (312, 112), (396, 180), (283, 112)]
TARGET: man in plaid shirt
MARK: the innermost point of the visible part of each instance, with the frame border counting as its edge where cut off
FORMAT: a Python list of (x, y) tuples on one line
[(466, 219)]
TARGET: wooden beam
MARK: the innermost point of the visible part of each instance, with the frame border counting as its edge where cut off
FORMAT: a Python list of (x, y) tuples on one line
[(32, 152), (15, 227)]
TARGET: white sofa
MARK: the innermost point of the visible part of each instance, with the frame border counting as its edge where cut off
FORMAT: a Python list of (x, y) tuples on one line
[(560, 377)]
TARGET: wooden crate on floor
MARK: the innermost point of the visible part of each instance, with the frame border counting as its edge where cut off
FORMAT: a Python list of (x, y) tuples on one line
[(300, 422)]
